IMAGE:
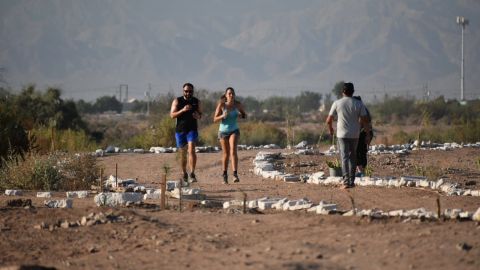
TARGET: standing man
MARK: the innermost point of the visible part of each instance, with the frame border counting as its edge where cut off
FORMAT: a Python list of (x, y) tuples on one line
[(186, 109), (351, 115)]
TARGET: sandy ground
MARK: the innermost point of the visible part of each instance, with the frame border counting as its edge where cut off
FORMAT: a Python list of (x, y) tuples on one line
[(213, 238)]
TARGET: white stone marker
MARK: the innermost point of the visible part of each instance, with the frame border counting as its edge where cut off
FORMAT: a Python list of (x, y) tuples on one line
[(13, 192), (47, 194), (66, 203)]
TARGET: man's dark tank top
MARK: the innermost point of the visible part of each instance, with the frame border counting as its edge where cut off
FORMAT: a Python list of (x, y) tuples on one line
[(186, 122)]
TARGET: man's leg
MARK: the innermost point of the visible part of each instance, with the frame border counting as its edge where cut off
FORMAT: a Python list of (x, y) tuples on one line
[(342, 149), (192, 159), (181, 140), (353, 159), (192, 138), (348, 153)]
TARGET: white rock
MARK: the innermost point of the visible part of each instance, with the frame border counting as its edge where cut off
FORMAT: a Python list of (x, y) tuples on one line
[(77, 194), (99, 153), (13, 192), (66, 203), (47, 194), (117, 199), (476, 215)]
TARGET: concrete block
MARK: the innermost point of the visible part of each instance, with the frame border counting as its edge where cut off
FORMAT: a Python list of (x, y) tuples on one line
[(117, 199), (151, 196), (13, 192), (465, 215), (47, 194), (475, 193), (297, 204), (452, 213), (325, 208), (350, 213), (231, 203), (138, 151), (267, 203), (290, 178), (66, 203), (77, 194), (396, 213), (279, 204), (423, 183), (188, 193)]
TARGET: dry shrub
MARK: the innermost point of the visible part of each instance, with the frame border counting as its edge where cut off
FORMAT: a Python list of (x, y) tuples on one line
[(50, 172), (80, 171)]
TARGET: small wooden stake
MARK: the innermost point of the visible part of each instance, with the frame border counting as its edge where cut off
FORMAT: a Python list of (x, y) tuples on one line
[(244, 202), (101, 178), (116, 175), (180, 196), (162, 193), (439, 209)]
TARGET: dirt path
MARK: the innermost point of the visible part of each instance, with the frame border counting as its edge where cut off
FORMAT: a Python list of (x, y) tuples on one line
[(213, 238)]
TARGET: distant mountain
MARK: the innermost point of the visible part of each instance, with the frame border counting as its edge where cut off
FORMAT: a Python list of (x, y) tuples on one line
[(262, 48)]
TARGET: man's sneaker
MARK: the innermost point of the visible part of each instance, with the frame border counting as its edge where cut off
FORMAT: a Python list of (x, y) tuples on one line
[(225, 179), (192, 179), (235, 178)]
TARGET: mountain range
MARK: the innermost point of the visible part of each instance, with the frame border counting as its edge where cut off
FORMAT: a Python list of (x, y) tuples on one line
[(261, 48)]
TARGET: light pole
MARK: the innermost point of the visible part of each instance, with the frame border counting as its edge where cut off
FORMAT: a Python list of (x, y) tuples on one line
[(462, 22)]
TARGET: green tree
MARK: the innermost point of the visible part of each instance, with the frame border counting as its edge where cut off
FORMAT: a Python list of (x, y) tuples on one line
[(107, 103), (338, 89)]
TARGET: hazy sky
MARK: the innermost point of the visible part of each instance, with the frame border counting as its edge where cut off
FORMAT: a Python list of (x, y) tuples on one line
[(262, 48)]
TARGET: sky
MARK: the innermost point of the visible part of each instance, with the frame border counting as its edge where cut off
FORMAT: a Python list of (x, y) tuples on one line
[(262, 48)]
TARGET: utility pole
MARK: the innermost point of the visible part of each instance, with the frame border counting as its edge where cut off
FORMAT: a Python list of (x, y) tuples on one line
[(462, 22), (147, 94), (126, 91)]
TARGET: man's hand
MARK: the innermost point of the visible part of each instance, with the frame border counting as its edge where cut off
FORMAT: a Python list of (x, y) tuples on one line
[(187, 107)]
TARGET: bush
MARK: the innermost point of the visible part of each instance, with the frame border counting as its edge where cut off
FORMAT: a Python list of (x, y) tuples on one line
[(50, 172), (251, 133), (162, 133), (64, 140)]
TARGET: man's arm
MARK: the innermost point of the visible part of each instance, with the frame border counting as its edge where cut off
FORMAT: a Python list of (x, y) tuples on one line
[(330, 124), (174, 113)]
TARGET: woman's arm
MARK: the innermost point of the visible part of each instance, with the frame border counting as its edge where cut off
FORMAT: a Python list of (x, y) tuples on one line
[(240, 108), (218, 116)]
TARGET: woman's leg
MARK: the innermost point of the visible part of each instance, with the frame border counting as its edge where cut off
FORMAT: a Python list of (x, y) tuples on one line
[(225, 153), (233, 151)]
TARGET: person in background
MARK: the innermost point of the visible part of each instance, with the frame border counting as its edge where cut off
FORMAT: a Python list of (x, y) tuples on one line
[(348, 111), (227, 112), (186, 110), (363, 143)]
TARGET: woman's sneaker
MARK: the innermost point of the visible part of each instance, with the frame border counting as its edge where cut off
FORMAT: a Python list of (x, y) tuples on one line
[(192, 179), (225, 179), (185, 180), (235, 178)]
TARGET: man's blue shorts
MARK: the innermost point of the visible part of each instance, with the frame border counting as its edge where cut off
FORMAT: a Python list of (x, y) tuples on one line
[(183, 138)]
